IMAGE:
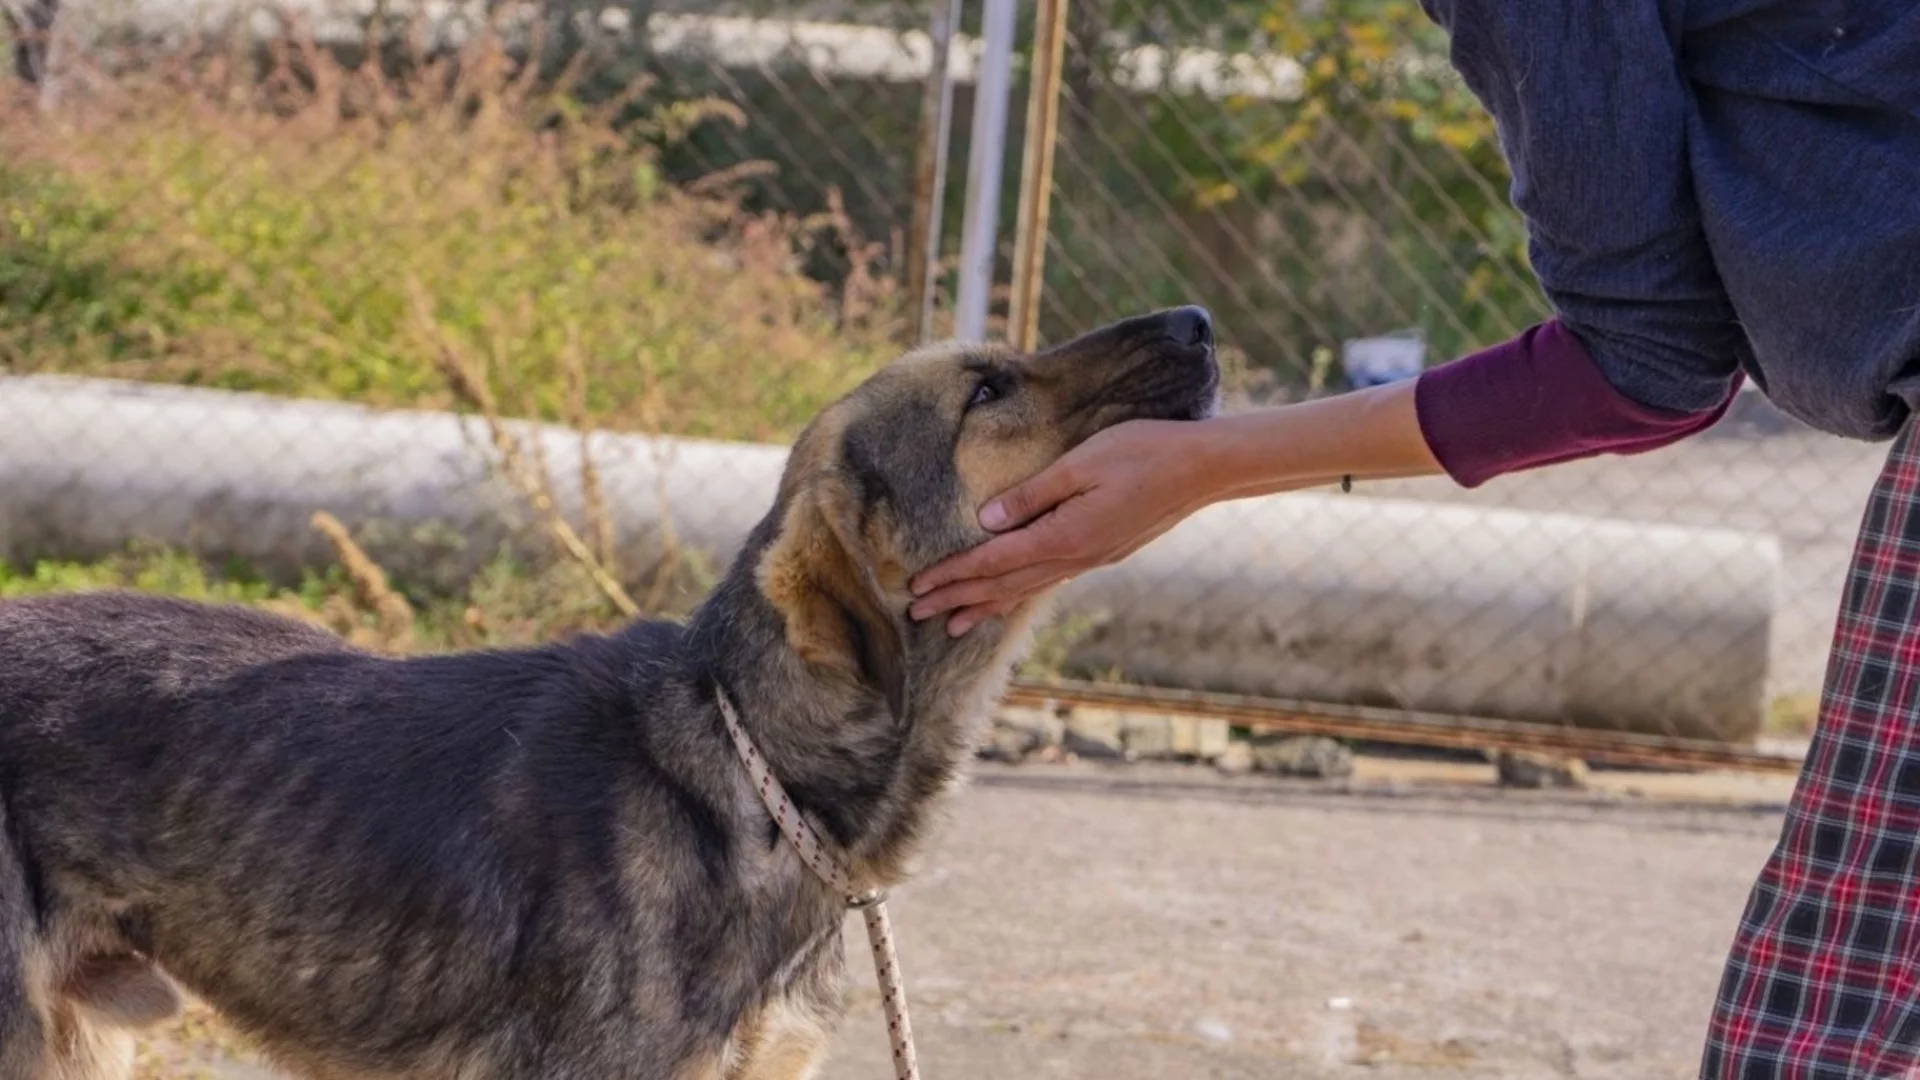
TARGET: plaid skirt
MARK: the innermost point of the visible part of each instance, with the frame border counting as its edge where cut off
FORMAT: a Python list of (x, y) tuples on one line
[(1824, 975)]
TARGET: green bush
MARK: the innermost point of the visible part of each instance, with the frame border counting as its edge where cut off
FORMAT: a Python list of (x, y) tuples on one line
[(331, 232), (163, 572)]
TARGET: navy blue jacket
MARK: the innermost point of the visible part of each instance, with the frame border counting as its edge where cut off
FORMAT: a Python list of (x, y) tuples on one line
[(1718, 185)]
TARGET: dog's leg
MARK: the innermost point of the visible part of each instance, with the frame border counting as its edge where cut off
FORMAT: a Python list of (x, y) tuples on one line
[(83, 1032), (785, 1042), (24, 1038), (122, 991), (85, 1049), (789, 1059), (23, 1033), (102, 1001)]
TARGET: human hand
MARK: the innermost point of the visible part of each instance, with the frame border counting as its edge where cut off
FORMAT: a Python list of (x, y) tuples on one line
[(1102, 501)]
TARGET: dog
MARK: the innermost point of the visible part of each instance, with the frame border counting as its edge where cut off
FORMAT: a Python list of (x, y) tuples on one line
[(537, 864)]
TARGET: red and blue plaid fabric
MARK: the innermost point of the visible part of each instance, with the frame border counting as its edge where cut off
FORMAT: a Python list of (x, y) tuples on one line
[(1824, 976)]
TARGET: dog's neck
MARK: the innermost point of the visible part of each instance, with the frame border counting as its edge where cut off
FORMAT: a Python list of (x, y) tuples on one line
[(873, 783)]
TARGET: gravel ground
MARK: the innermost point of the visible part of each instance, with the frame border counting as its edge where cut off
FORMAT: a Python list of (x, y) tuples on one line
[(1131, 922)]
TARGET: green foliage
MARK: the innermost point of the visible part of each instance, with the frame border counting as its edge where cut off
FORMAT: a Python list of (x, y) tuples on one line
[(335, 241), (1370, 75), (1374, 199), (150, 570)]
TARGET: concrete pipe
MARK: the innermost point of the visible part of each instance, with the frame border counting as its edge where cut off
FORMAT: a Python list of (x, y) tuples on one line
[(1333, 598), (1498, 613)]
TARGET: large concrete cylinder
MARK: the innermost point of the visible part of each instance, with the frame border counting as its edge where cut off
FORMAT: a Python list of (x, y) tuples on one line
[(1500, 613), (1322, 597)]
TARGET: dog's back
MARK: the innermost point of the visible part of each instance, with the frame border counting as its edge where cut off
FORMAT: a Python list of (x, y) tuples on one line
[(103, 647), (109, 699)]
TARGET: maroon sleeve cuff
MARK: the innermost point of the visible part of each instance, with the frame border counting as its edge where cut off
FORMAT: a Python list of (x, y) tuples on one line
[(1537, 400)]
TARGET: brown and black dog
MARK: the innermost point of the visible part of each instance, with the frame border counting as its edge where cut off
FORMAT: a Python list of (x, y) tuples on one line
[(544, 864)]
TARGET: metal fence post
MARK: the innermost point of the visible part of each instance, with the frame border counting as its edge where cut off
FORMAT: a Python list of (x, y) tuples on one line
[(986, 154)]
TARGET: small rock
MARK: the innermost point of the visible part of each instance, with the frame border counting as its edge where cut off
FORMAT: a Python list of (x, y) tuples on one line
[(1199, 737), (1340, 1004), (1094, 733), (1146, 738), (1236, 760), (1004, 744), (1213, 1031), (1311, 755), (1019, 732), (1520, 769)]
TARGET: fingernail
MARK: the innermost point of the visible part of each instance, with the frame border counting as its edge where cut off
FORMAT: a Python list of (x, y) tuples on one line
[(919, 588), (993, 516), (917, 613), (958, 626)]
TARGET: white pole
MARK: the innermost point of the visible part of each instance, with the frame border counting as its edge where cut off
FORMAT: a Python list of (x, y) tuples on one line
[(985, 156)]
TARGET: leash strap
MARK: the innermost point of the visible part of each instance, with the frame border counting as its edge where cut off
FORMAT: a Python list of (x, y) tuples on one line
[(871, 903)]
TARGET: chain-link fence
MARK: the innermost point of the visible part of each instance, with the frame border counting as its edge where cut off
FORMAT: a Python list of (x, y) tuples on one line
[(692, 222)]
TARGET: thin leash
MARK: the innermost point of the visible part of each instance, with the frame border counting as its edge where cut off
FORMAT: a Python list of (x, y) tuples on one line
[(871, 903)]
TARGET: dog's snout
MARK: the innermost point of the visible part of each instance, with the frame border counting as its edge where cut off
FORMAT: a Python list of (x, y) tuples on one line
[(1190, 325)]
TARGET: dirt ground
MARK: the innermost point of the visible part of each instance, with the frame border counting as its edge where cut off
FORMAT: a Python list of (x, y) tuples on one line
[(1131, 922)]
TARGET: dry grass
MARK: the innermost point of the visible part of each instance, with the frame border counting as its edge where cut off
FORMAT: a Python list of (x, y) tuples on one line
[(284, 234)]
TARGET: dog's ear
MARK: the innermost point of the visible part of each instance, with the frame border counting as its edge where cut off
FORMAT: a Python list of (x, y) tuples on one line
[(819, 573)]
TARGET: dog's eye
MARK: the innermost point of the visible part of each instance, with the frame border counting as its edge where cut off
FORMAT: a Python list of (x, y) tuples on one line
[(987, 391)]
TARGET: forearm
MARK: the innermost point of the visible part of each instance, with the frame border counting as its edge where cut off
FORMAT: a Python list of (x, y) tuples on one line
[(1371, 434), (1534, 401)]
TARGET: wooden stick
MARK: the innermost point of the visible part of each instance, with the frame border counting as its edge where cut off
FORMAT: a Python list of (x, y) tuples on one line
[(1036, 173)]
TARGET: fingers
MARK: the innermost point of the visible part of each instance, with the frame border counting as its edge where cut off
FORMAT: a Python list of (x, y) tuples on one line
[(967, 618), (991, 589), (1041, 542), (1025, 501), (1018, 505), (980, 600)]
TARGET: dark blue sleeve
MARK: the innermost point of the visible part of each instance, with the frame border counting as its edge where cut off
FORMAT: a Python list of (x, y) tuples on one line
[(1592, 110)]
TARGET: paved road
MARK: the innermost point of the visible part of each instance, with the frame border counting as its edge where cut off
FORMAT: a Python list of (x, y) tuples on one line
[(1136, 923)]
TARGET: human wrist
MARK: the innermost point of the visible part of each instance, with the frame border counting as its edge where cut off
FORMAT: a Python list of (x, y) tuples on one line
[(1366, 434), (1232, 454)]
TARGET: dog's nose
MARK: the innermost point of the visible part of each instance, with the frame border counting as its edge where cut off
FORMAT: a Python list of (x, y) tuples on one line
[(1190, 325)]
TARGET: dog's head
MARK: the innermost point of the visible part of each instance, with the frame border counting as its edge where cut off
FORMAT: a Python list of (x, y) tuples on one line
[(889, 480)]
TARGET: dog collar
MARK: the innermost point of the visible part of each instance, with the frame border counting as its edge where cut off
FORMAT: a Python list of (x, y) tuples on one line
[(829, 868)]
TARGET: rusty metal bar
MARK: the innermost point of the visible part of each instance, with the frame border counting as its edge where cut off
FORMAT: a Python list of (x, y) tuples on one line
[(1394, 726), (930, 170), (1036, 172)]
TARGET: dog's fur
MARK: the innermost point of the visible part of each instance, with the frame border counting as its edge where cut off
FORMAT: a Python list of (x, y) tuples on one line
[(543, 864)]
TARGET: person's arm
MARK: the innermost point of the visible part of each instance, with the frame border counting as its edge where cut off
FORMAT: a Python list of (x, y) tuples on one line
[(1536, 400), (1593, 108), (1128, 484)]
